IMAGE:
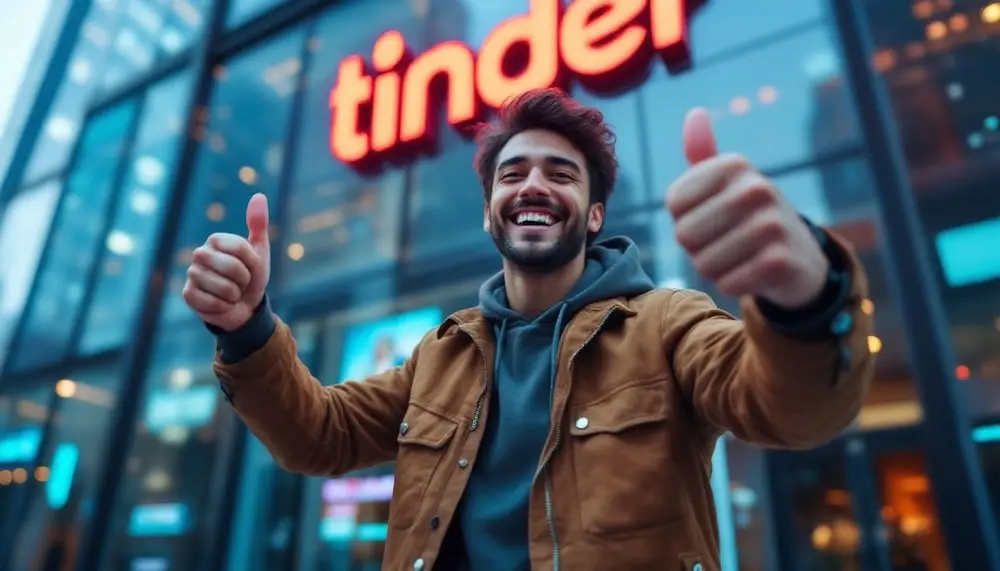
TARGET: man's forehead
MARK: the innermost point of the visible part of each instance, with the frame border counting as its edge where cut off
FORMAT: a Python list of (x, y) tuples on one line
[(538, 146)]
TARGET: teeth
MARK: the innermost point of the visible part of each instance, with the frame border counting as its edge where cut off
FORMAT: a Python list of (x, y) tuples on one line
[(535, 217)]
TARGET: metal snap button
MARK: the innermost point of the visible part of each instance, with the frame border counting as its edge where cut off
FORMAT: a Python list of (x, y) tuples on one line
[(404, 427), (418, 565), (582, 423), (463, 463)]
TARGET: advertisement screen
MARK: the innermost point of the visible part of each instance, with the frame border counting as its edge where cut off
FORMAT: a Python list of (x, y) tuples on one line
[(377, 346)]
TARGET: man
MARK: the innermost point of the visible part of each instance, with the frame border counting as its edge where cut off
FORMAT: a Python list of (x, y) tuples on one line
[(568, 422)]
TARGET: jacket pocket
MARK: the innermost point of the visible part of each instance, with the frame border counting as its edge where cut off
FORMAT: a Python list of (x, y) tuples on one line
[(621, 446), (423, 442)]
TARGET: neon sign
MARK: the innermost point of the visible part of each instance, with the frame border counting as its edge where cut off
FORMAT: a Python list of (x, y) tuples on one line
[(386, 110)]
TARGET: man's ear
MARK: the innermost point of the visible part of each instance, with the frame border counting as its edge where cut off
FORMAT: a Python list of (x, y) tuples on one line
[(595, 221), (486, 218)]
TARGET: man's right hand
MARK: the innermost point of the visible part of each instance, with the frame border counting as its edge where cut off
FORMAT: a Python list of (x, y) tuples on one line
[(229, 273)]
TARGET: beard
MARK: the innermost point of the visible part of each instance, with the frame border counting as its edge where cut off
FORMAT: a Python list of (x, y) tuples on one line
[(535, 254)]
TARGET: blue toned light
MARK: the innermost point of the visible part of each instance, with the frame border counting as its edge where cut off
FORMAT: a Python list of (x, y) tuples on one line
[(20, 446), (970, 254), (337, 529), (988, 433), (158, 520), (373, 347), (61, 473), (188, 408), (373, 532)]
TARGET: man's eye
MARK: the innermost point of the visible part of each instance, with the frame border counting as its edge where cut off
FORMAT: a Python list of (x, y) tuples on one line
[(509, 176), (562, 176)]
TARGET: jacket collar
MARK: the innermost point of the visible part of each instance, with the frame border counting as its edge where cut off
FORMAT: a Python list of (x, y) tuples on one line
[(473, 322)]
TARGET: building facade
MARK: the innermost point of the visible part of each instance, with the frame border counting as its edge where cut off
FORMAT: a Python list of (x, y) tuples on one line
[(156, 121)]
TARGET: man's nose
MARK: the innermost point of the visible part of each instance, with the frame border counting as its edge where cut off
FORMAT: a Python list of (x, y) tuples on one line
[(534, 184)]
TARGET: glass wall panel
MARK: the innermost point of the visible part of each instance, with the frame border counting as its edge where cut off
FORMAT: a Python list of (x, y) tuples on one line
[(23, 413), (23, 230), (938, 63), (135, 231), (241, 11), (180, 442), (68, 473), (63, 281)]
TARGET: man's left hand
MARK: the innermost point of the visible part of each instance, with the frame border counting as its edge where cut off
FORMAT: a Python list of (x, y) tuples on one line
[(738, 229)]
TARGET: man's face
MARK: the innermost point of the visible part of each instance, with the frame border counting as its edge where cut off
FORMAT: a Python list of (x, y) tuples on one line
[(540, 213)]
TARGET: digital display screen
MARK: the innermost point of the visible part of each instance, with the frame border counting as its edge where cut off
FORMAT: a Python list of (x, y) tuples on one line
[(377, 346), (355, 510)]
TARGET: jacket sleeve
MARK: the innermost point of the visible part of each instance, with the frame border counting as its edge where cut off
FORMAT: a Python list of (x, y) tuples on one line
[(309, 428), (764, 386)]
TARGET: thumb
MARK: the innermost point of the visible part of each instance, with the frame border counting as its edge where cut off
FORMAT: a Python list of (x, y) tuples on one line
[(257, 222), (699, 140)]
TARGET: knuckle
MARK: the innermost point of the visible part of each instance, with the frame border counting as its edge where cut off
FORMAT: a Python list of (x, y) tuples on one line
[(734, 162)]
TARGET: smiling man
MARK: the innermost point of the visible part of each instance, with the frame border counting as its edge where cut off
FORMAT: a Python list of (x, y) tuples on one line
[(569, 420)]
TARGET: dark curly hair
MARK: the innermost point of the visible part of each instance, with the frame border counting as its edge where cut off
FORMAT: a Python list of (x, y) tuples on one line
[(552, 110)]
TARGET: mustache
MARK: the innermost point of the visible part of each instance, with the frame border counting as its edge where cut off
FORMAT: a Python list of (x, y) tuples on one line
[(534, 202)]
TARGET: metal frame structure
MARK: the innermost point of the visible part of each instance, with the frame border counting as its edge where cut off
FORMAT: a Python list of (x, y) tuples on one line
[(958, 488)]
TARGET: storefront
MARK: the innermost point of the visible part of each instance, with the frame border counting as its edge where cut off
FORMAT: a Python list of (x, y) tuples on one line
[(117, 451)]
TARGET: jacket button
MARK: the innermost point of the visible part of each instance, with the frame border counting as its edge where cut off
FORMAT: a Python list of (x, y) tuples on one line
[(463, 463), (696, 567), (582, 423), (435, 522), (418, 565), (404, 427)]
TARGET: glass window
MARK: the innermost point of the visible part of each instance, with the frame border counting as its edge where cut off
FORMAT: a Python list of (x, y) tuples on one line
[(68, 472), (779, 104), (720, 27), (938, 64), (177, 447), (749, 506), (146, 31), (63, 281), (22, 420), (339, 221), (139, 213), (240, 11), (23, 231), (242, 152)]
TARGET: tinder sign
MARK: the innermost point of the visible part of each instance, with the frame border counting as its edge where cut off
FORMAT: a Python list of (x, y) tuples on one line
[(385, 106)]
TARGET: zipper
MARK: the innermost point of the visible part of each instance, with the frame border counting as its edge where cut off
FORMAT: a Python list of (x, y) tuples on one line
[(486, 382), (549, 515)]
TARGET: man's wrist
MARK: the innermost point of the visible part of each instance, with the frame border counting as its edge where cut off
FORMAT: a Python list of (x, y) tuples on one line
[(234, 346)]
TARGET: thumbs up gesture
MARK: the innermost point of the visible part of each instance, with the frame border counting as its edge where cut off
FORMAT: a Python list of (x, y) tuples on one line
[(229, 273), (739, 231)]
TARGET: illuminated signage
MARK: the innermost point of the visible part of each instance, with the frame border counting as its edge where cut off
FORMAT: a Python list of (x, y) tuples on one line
[(387, 109)]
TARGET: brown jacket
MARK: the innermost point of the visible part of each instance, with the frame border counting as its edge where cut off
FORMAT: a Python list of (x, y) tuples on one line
[(644, 388)]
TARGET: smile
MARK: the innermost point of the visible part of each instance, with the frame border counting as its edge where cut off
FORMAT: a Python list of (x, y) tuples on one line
[(534, 218)]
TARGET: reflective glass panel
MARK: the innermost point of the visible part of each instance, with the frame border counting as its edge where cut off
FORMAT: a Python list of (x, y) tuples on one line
[(135, 229)]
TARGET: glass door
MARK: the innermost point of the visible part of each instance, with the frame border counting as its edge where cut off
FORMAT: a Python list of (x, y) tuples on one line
[(861, 503)]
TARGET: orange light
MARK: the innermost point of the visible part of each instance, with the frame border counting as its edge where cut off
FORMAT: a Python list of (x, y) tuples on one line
[(962, 373), (603, 43)]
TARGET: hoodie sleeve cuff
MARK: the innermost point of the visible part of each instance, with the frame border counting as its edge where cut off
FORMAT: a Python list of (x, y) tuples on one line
[(820, 319), (235, 346)]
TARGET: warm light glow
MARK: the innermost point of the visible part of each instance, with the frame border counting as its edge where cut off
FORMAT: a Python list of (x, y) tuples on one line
[(958, 22), (42, 473), (296, 251), (5, 477), (923, 9), (66, 388), (19, 476), (936, 30), (216, 211), (248, 176), (991, 13), (739, 105), (884, 60), (767, 95), (962, 373), (874, 344), (996, 323), (867, 306)]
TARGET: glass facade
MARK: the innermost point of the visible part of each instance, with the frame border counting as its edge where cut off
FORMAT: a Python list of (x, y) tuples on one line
[(152, 143)]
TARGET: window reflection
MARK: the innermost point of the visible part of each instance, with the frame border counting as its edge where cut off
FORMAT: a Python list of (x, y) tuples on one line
[(340, 222), (119, 39), (23, 230), (938, 62), (242, 135), (68, 472), (149, 30), (62, 282), (136, 225), (164, 508), (778, 104), (22, 420), (750, 506), (240, 11)]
